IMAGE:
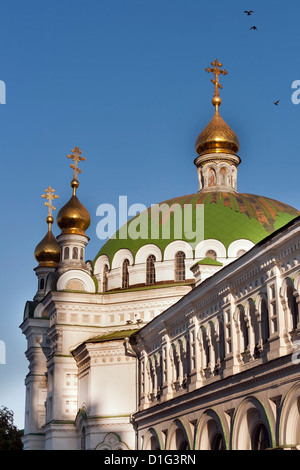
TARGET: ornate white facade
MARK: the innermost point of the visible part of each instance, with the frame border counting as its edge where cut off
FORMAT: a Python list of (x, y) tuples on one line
[(215, 366), (70, 377), (221, 367), (169, 344)]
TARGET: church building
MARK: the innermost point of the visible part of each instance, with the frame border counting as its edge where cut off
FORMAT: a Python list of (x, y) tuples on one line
[(183, 339)]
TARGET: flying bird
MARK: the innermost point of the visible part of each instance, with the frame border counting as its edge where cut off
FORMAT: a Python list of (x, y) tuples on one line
[(276, 102), (253, 27), (248, 12)]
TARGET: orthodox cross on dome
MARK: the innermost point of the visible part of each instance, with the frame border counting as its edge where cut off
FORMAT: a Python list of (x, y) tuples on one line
[(216, 70), (76, 157), (49, 196)]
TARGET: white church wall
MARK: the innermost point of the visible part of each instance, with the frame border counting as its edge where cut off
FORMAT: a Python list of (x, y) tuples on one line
[(147, 250), (238, 245), (107, 393), (120, 256), (76, 280), (175, 246), (113, 390)]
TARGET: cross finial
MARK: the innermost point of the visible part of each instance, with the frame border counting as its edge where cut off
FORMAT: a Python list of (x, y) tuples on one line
[(76, 157), (216, 70), (49, 196)]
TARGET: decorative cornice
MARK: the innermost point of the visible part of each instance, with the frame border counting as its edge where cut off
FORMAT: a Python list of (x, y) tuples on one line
[(217, 158)]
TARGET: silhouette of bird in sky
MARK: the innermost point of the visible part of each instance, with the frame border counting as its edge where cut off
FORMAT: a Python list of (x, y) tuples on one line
[(248, 12), (253, 27), (276, 102)]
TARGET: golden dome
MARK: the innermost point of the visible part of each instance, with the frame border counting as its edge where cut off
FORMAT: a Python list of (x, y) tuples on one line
[(73, 216), (217, 137), (47, 252)]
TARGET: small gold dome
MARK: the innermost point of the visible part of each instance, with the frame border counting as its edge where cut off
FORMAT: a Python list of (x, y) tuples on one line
[(73, 216), (47, 252), (217, 137)]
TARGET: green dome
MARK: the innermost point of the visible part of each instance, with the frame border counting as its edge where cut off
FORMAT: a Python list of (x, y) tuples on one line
[(227, 217)]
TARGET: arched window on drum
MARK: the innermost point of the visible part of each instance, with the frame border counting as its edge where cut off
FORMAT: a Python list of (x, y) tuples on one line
[(104, 278), (125, 274), (211, 254), (211, 177), (150, 269), (180, 266)]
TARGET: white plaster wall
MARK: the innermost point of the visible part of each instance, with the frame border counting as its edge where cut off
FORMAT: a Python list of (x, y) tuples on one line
[(112, 389)]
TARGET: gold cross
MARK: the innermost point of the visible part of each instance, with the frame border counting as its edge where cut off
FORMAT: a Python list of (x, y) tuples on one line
[(49, 196), (76, 157), (216, 70)]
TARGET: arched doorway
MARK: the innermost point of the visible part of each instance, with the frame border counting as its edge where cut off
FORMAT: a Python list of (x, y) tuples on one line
[(178, 438), (251, 427), (210, 432)]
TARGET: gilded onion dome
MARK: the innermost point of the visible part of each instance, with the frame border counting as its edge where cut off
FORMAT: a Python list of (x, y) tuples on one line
[(47, 252), (217, 137), (73, 217)]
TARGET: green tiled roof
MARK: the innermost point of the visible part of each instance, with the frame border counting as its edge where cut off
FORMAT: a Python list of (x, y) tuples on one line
[(115, 335), (227, 217), (210, 261)]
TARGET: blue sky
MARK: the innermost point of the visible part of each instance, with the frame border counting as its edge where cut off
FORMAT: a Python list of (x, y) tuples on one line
[(125, 80)]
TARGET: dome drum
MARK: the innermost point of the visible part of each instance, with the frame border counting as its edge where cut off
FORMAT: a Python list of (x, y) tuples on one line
[(217, 157), (72, 249), (217, 175)]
